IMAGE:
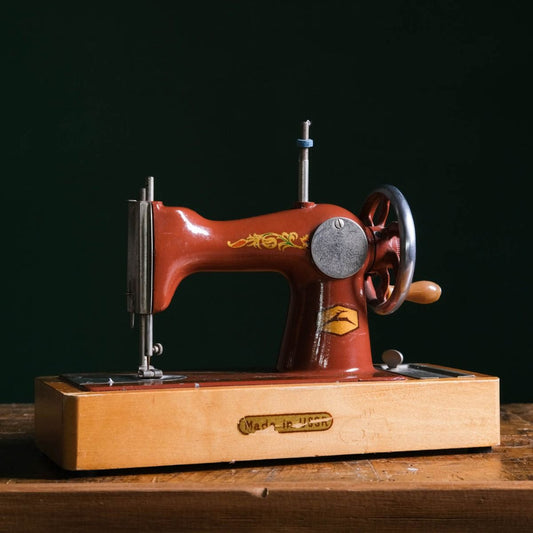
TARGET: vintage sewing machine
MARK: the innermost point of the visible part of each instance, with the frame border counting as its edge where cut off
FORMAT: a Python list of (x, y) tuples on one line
[(327, 396)]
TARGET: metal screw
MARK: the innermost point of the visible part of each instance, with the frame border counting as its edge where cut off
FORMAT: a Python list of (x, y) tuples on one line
[(339, 223)]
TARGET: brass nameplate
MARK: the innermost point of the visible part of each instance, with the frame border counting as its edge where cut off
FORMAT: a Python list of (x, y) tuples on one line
[(286, 423)]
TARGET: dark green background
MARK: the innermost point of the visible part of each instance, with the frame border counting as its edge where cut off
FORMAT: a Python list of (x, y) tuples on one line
[(433, 97)]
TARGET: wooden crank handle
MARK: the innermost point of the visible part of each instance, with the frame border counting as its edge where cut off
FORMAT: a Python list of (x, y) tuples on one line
[(422, 292)]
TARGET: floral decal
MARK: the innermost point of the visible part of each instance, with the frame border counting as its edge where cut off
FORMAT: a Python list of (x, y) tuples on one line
[(270, 241)]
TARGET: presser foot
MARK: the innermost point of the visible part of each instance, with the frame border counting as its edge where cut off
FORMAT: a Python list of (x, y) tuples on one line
[(149, 373)]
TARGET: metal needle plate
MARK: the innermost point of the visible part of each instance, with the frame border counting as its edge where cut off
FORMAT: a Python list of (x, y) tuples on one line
[(421, 371), (118, 379)]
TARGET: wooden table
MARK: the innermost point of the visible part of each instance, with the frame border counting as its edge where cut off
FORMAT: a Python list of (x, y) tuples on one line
[(462, 490)]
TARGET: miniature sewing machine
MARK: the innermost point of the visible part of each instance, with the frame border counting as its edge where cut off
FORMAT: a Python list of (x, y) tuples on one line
[(327, 396)]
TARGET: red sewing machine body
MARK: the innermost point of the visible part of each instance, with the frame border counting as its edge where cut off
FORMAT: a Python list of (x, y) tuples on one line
[(337, 265), (327, 327)]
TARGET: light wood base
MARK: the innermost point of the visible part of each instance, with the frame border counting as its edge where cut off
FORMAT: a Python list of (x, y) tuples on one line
[(82, 430)]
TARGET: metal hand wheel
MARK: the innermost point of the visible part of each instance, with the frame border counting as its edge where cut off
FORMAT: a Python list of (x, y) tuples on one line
[(395, 249)]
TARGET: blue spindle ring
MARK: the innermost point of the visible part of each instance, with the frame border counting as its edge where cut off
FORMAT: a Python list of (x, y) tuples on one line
[(304, 143)]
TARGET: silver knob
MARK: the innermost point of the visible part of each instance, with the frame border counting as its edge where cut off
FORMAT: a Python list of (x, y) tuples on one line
[(392, 358)]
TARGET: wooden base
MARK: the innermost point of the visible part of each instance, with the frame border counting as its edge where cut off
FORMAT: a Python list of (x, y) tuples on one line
[(87, 430)]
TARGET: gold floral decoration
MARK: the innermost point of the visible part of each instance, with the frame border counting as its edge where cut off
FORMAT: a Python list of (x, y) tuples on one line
[(270, 240)]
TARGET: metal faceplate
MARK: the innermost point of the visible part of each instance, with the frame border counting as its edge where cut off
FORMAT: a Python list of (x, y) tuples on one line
[(140, 257), (339, 247)]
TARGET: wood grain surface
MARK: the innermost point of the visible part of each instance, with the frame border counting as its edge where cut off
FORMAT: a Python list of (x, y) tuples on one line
[(461, 490), (97, 430)]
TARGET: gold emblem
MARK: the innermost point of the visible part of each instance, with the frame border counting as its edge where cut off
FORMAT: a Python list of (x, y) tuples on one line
[(338, 320), (287, 423), (270, 240)]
